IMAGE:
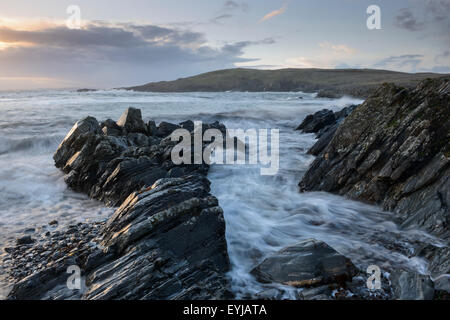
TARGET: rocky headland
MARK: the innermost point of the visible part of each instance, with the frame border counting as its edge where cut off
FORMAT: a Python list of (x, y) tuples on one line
[(166, 239), (394, 151), (329, 83)]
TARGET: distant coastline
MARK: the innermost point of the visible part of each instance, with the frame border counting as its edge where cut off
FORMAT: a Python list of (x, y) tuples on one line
[(329, 83)]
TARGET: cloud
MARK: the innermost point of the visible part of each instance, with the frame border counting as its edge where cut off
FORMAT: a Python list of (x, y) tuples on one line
[(443, 58), (234, 5), (274, 13), (221, 17), (439, 9), (433, 13), (407, 62), (236, 49), (105, 55), (228, 10), (406, 20), (337, 48)]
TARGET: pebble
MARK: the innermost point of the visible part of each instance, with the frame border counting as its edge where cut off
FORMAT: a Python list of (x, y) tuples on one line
[(51, 249), (25, 240)]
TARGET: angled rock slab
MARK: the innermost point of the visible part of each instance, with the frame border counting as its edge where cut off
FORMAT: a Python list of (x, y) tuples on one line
[(131, 121), (307, 263), (169, 243)]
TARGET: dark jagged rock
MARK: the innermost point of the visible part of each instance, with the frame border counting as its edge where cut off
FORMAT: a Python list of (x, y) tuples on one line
[(315, 122), (188, 125), (324, 125), (151, 128), (308, 263), (110, 167), (86, 90), (167, 238), (131, 121), (393, 150), (25, 240), (324, 139), (110, 128), (165, 128), (168, 243)]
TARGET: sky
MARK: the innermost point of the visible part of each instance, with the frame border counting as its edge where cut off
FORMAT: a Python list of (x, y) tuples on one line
[(125, 43)]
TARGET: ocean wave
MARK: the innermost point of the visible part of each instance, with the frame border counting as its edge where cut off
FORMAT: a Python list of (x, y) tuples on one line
[(38, 143)]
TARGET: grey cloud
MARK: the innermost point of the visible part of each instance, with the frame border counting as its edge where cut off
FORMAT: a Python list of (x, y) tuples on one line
[(234, 5), (221, 17), (228, 10), (102, 35), (406, 20), (64, 37), (444, 57), (119, 55), (434, 12), (169, 35), (438, 9), (237, 47)]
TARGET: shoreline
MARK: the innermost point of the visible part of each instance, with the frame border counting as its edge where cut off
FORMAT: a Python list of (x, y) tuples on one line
[(110, 128)]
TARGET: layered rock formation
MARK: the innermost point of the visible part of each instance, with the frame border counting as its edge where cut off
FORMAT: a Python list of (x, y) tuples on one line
[(394, 150), (324, 123), (167, 238)]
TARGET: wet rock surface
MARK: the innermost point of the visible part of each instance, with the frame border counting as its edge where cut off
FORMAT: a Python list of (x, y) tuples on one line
[(308, 263), (412, 286), (165, 241), (393, 150), (324, 124), (39, 270), (318, 272), (317, 121)]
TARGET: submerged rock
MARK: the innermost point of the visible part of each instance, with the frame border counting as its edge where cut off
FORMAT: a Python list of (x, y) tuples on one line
[(412, 286), (308, 263)]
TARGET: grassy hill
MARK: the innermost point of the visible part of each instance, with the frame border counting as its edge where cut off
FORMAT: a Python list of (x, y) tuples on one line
[(329, 82)]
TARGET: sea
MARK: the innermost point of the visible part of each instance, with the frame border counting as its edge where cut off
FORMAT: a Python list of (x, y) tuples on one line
[(263, 213)]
